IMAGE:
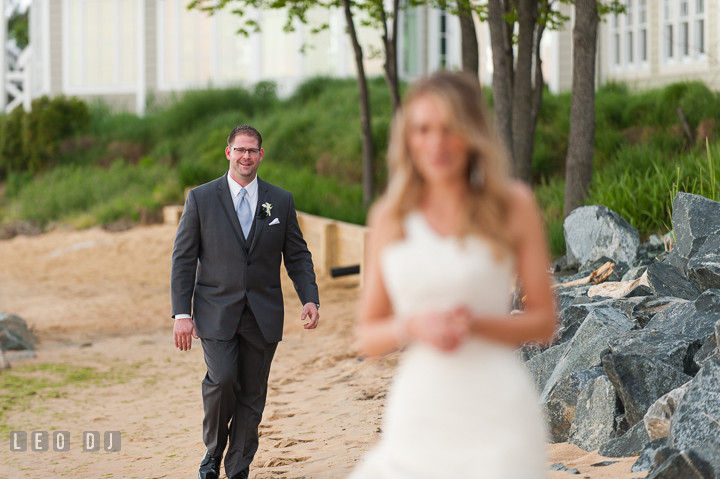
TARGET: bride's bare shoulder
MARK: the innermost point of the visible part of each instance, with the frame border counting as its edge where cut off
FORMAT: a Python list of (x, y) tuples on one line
[(379, 213), (381, 223), (524, 217), (522, 199)]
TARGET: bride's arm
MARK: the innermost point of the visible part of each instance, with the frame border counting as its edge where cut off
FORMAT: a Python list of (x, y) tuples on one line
[(538, 322), (376, 331)]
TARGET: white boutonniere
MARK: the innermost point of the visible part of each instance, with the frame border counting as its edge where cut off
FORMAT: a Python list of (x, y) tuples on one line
[(267, 207)]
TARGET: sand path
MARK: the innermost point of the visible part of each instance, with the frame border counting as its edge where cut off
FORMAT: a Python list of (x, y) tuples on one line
[(101, 300)]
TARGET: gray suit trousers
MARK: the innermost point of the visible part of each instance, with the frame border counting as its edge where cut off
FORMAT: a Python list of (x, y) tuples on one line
[(234, 391)]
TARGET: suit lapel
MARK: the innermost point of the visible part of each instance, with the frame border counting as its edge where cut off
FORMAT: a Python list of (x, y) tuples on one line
[(227, 203), (260, 218)]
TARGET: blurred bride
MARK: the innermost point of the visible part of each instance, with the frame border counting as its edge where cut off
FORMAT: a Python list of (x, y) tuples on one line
[(447, 241)]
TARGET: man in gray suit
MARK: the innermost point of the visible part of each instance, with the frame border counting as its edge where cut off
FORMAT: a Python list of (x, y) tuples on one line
[(226, 267)]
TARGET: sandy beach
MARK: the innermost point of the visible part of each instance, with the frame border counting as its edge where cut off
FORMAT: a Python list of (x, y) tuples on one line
[(101, 300)]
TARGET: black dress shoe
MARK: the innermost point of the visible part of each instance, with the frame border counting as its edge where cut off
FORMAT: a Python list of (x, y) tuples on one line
[(244, 474), (209, 467)]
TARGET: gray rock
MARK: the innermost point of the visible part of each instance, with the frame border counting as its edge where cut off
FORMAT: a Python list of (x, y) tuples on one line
[(570, 320), (16, 333), (694, 218), (673, 259), (559, 466), (662, 454), (4, 364), (696, 417), (529, 351), (647, 454), (604, 463), (675, 334), (717, 333), (560, 407), (594, 264), (573, 316), (542, 365), (640, 381), (703, 269), (629, 444), (708, 350), (658, 416), (626, 305), (655, 345), (595, 231), (649, 306), (695, 463), (590, 340), (595, 415), (19, 355), (667, 280), (633, 273), (621, 425), (567, 296)]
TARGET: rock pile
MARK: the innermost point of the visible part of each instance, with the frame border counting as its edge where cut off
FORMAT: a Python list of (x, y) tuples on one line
[(14, 336), (635, 366)]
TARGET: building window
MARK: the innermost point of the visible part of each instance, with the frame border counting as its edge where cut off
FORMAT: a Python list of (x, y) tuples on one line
[(668, 40), (100, 44), (443, 40), (629, 44), (195, 49), (700, 27), (411, 63), (615, 47), (684, 30), (684, 39), (643, 45), (642, 23)]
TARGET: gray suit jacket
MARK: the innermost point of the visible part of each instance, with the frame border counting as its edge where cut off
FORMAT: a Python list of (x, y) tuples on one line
[(217, 273)]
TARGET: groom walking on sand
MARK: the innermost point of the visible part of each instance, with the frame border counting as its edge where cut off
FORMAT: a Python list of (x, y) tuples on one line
[(226, 267)]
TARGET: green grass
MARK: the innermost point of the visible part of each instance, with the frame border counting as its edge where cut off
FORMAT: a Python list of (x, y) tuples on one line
[(105, 194), (313, 149), (18, 386)]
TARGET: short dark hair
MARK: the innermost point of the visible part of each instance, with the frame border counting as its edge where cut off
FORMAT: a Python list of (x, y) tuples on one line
[(246, 130)]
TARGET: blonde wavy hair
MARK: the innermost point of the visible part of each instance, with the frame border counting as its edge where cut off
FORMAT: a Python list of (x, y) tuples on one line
[(487, 201)]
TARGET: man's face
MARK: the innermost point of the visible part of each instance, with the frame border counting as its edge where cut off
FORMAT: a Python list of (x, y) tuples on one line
[(244, 163)]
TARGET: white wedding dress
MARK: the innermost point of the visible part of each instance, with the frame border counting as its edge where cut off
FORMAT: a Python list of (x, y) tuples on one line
[(471, 413)]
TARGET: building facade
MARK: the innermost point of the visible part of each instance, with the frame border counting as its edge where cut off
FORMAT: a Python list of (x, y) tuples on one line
[(657, 42), (128, 51), (125, 51)]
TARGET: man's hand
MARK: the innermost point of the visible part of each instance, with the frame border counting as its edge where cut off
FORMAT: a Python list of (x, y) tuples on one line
[(310, 310), (183, 332)]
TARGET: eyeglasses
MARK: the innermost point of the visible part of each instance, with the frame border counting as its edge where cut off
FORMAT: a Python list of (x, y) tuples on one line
[(252, 151)]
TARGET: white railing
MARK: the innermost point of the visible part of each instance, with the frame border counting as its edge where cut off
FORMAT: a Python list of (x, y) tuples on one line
[(18, 78)]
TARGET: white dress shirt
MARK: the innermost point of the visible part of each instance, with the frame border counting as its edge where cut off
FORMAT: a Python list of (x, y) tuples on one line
[(252, 193), (252, 196)]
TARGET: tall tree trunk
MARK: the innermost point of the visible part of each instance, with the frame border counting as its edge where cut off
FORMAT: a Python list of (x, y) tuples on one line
[(502, 73), (539, 83), (578, 165), (522, 127), (367, 142), (390, 42), (468, 41)]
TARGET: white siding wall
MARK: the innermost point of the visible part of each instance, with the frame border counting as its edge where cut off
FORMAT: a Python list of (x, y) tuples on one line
[(100, 46)]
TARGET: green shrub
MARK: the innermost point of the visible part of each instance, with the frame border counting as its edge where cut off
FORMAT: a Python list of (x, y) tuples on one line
[(13, 157), (641, 185), (48, 123), (107, 194)]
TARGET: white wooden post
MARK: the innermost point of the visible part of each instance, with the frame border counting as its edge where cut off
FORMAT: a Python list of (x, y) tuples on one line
[(3, 62)]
